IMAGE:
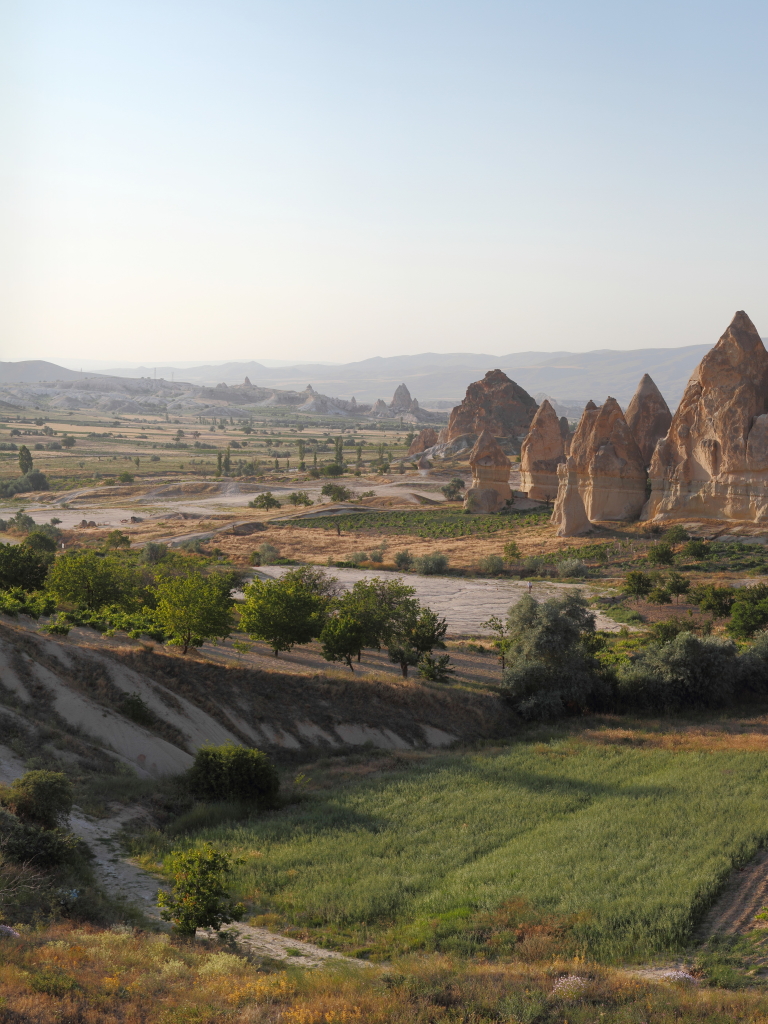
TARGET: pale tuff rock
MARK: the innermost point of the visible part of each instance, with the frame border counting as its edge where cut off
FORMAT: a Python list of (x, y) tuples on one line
[(425, 439), (495, 404), (542, 452), (604, 475), (714, 460), (402, 406), (490, 476), (648, 417), (379, 409), (401, 400)]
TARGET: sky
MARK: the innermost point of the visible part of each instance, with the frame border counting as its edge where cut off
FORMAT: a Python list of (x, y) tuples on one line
[(338, 179)]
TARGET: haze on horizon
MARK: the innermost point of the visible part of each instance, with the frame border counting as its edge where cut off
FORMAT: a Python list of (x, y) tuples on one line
[(330, 181)]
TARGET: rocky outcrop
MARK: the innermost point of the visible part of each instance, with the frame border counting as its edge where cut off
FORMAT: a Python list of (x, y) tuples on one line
[(401, 400), (494, 404), (542, 452), (648, 417), (604, 475), (714, 460), (426, 438), (402, 407), (379, 410), (490, 488)]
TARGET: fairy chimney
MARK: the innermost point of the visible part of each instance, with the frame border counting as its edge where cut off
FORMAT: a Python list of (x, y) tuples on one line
[(713, 461), (542, 452), (495, 404), (648, 417), (604, 472), (490, 488)]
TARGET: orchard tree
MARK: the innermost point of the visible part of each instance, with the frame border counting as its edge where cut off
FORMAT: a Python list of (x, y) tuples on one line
[(195, 608), (415, 633), (86, 578), (22, 566), (199, 897), (342, 638), (637, 584), (284, 612)]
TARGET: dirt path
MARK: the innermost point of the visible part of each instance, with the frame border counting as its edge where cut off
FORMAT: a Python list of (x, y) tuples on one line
[(744, 896)]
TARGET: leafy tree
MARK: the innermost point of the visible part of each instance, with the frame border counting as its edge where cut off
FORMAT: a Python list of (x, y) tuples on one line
[(267, 554), (501, 637), (342, 638), (199, 897), (86, 578), (512, 552), (25, 460), (415, 631), (40, 542), (68, 441), (195, 608), (22, 566), (661, 554), (125, 477), (41, 798), (232, 772), (336, 492), (435, 668), (117, 539), (711, 598), (678, 585), (549, 664), (675, 534), (491, 564), (697, 549), (637, 584), (660, 595), (153, 552), (283, 612), (749, 613), (453, 489), (378, 606), (431, 564), (300, 498), (267, 500)]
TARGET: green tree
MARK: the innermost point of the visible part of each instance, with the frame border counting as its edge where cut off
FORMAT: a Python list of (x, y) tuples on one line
[(300, 498), (227, 462), (342, 638), (501, 637), (117, 539), (25, 460), (283, 612), (40, 541), (453, 489), (377, 605), (267, 500), (711, 598), (68, 441), (697, 549), (41, 798), (232, 772), (512, 552), (21, 566), (125, 477), (661, 554), (86, 578), (637, 584), (199, 897), (219, 462), (195, 608), (678, 585), (660, 595), (415, 631), (336, 492)]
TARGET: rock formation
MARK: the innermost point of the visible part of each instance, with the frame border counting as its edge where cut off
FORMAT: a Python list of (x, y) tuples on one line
[(542, 452), (495, 404), (604, 475), (648, 417), (423, 440), (490, 476), (401, 400), (714, 460)]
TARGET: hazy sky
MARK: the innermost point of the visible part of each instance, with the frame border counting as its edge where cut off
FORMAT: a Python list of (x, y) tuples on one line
[(300, 179)]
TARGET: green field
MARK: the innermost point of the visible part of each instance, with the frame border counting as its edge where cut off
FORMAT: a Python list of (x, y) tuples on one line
[(617, 849), (435, 523)]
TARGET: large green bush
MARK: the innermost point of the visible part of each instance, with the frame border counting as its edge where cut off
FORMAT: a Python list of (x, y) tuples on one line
[(199, 898), (230, 772), (41, 798)]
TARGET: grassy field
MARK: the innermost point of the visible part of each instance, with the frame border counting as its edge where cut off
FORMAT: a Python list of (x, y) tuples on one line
[(600, 848), (435, 524)]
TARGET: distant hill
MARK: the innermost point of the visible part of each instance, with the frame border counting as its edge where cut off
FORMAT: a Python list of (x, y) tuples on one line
[(432, 377), (31, 371)]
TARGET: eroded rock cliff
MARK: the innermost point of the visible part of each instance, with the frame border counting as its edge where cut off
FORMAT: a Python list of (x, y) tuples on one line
[(490, 476), (648, 417), (542, 452), (495, 404)]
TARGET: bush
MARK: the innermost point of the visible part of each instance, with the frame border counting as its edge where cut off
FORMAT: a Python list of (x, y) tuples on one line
[(39, 542), (697, 549), (357, 557), (675, 535), (403, 560), (377, 554), (41, 798), (687, 672), (300, 498), (572, 567), (153, 552), (125, 477), (199, 898), (435, 668), (452, 490), (492, 564), (511, 552), (27, 843), (32, 481), (231, 773), (117, 539), (22, 566), (667, 629), (268, 554), (432, 564), (68, 441), (267, 500)]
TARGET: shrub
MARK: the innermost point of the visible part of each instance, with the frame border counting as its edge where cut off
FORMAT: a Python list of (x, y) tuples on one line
[(199, 898), (153, 552), (125, 477), (117, 539), (41, 798), (666, 630), (687, 672), (675, 535), (435, 668), (697, 549), (32, 481), (267, 500), (452, 490), (403, 560), (431, 564), (27, 843), (68, 441), (22, 566), (535, 565), (572, 567), (268, 554), (377, 554), (300, 498), (230, 772), (358, 556), (511, 552), (492, 564), (40, 542)]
